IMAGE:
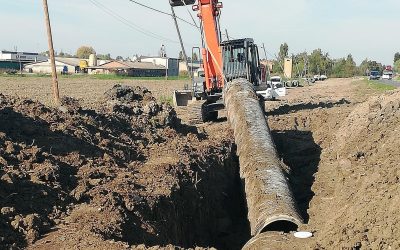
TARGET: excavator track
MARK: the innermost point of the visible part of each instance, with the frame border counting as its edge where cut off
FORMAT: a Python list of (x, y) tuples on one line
[(192, 114), (197, 112)]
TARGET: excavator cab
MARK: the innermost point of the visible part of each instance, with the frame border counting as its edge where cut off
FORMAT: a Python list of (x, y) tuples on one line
[(241, 60), (175, 3)]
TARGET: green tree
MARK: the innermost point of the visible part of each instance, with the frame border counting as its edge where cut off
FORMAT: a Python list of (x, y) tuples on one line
[(316, 62), (283, 51), (350, 66), (338, 69), (396, 57), (397, 66), (364, 68), (104, 57), (299, 61), (319, 62), (344, 67), (277, 67), (119, 58), (374, 65), (84, 52)]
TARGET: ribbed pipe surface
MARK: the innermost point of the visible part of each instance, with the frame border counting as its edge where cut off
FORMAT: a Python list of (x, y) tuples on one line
[(269, 198)]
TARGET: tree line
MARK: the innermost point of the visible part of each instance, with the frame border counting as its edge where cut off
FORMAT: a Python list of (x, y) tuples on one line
[(319, 62)]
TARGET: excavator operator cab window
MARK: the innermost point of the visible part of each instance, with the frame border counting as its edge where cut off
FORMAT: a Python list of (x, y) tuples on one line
[(234, 61), (240, 57)]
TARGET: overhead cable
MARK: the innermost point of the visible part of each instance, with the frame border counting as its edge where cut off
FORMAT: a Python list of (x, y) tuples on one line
[(130, 23), (162, 12)]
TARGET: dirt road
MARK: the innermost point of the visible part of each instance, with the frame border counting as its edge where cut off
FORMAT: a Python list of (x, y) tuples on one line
[(124, 175)]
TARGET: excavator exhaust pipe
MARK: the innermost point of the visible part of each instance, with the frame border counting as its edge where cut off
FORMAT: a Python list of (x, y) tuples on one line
[(270, 202)]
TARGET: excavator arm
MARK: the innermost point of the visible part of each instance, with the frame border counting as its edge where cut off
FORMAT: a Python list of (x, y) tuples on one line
[(209, 12)]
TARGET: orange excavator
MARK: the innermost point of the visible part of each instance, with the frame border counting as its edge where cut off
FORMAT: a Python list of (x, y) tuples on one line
[(223, 61)]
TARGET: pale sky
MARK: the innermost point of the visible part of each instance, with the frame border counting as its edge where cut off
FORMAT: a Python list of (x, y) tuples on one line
[(365, 28)]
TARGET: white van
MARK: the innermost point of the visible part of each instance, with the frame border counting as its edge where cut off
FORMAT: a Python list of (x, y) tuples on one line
[(275, 89), (387, 75)]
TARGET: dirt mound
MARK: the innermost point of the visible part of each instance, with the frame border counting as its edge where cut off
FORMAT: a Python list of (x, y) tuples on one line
[(127, 173), (364, 178), (344, 172)]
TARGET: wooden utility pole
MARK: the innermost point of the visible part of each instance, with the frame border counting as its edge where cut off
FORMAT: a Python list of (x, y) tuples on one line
[(182, 46), (56, 92)]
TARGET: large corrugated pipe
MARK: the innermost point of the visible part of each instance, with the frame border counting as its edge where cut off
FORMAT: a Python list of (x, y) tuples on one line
[(270, 202)]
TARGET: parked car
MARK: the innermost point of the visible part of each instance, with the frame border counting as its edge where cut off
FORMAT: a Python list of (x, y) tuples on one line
[(276, 81), (374, 75), (323, 77), (275, 89), (387, 75)]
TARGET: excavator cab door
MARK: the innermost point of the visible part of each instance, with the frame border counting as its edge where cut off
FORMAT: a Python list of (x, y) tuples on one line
[(241, 60), (254, 69), (175, 3)]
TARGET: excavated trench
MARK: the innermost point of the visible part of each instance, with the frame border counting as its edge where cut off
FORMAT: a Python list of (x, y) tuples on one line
[(220, 194), (211, 213), (251, 194), (184, 189)]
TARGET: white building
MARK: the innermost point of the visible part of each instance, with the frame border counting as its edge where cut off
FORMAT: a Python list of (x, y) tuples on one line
[(63, 64), (192, 66), (172, 64), (69, 65), (21, 56)]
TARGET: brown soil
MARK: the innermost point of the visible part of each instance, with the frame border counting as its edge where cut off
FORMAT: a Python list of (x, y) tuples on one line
[(120, 171), (88, 90), (126, 174), (343, 155)]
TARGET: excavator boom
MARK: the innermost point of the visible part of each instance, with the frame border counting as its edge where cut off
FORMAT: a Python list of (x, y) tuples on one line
[(209, 11)]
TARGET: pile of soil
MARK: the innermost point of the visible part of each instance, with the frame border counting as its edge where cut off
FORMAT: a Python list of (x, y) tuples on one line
[(358, 184), (125, 174), (344, 172)]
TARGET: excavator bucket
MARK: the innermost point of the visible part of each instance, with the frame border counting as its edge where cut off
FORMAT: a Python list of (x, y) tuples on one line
[(182, 97), (181, 2)]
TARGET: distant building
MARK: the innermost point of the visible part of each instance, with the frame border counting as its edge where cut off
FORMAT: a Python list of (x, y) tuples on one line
[(172, 64), (68, 65), (10, 60), (9, 65), (268, 63), (135, 69), (192, 66), (24, 57)]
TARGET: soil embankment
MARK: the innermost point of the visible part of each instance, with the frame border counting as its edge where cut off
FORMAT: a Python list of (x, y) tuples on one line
[(125, 174)]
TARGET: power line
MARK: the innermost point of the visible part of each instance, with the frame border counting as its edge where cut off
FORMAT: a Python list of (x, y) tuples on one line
[(190, 14), (162, 12), (130, 23)]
